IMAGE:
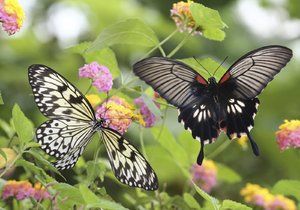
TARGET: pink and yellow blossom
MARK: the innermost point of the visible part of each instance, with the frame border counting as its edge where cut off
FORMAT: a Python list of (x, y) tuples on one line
[(100, 75), (205, 175), (262, 197), (148, 116), (182, 16), (288, 135), (11, 16), (118, 113)]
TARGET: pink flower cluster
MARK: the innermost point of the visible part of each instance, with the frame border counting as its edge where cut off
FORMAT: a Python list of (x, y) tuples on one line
[(23, 189), (101, 76), (148, 116), (288, 135), (11, 16), (117, 112), (205, 176)]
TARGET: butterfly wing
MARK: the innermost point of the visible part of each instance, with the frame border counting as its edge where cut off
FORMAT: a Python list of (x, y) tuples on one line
[(173, 80), (65, 139), (127, 163), (250, 74), (56, 97), (240, 119)]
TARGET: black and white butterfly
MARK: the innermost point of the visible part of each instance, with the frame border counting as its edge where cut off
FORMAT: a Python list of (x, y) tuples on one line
[(72, 124), (208, 107)]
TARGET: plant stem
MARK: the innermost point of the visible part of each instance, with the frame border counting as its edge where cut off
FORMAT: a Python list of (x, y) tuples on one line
[(220, 149), (142, 141), (160, 44), (89, 88), (11, 164), (185, 39), (162, 125)]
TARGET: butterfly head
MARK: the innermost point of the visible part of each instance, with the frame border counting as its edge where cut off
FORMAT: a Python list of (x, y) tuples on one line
[(212, 81), (103, 122)]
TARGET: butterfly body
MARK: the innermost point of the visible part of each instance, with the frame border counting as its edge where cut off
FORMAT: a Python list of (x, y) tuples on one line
[(72, 124), (207, 107)]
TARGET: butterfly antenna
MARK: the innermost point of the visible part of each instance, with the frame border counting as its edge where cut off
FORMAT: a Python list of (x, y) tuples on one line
[(220, 65), (202, 66)]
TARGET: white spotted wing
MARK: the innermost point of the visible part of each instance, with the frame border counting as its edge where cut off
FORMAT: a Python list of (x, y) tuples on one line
[(72, 124)]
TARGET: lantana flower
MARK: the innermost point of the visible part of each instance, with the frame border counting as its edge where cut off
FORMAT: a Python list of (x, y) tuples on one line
[(11, 16), (118, 113), (262, 197), (100, 75), (148, 116), (182, 16), (288, 135), (205, 176), (23, 189), (93, 99)]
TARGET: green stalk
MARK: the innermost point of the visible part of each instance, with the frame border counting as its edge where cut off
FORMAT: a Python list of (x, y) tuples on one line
[(185, 39)]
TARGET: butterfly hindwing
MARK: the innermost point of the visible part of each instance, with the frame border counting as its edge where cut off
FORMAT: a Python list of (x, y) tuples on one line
[(128, 164), (56, 97), (58, 137)]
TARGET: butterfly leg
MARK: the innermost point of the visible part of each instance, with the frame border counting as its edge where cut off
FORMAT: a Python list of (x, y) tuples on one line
[(201, 154)]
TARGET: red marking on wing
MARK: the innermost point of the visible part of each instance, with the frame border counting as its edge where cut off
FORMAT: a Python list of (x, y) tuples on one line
[(225, 77), (201, 80)]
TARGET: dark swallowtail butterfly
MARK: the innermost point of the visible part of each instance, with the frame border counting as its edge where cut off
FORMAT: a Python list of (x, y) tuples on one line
[(73, 123), (208, 107)]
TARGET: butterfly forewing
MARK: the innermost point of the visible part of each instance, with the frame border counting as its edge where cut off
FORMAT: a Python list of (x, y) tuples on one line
[(128, 165), (56, 97), (172, 79), (248, 76)]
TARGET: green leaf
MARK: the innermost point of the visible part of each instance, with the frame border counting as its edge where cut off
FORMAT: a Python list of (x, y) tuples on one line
[(167, 140), (22, 124), (151, 105), (232, 205), (209, 21), (131, 31), (93, 201), (95, 170), (7, 128), (191, 201), (288, 187), (215, 204), (190, 145), (228, 175), (40, 159), (3, 154), (1, 100), (209, 64), (105, 56), (68, 196)]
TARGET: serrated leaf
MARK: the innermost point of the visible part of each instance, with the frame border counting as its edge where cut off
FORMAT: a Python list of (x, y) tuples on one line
[(95, 170), (191, 201), (68, 196), (288, 187), (40, 159), (209, 20), (232, 205), (80, 48), (131, 31), (209, 64), (22, 124), (226, 174)]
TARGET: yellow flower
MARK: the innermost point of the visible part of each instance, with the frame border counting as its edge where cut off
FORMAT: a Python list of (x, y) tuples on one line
[(288, 135), (262, 197), (10, 156), (290, 125), (242, 141), (12, 7), (93, 99), (182, 16)]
